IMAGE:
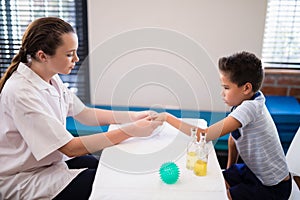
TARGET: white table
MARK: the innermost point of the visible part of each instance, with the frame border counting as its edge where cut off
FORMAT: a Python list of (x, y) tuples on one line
[(130, 170)]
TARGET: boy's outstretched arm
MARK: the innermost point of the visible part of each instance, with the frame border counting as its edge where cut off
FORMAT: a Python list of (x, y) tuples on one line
[(223, 127), (213, 132)]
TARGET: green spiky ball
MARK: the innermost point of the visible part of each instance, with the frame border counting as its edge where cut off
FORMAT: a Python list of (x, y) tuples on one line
[(169, 172)]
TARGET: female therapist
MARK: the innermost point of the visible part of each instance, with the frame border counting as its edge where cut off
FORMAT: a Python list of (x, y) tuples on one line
[(33, 110)]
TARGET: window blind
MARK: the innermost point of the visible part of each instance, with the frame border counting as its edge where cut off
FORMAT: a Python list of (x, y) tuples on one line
[(15, 15), (281, 46)]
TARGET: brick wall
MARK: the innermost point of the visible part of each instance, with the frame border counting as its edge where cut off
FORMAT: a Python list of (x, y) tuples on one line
[(282, 82)]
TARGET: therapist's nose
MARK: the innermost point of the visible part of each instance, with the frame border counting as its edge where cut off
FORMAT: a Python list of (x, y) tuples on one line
[(75, 58)]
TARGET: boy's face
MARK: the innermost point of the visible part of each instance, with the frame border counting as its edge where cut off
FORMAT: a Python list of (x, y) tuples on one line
[(231, 94)]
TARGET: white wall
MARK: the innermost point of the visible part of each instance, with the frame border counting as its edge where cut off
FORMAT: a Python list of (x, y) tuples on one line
[(164, 53)]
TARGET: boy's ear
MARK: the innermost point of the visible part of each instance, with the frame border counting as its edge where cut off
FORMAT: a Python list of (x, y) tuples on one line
[(247, 88)]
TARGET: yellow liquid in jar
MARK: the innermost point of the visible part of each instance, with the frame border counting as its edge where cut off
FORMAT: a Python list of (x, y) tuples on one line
[(200, 168), (191, 159)]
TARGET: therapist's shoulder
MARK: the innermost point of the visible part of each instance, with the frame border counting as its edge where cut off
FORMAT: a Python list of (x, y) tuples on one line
[(17, 87), (14, 84)]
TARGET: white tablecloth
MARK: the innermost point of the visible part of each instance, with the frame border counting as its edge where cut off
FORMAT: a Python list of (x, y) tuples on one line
[(130, 170)]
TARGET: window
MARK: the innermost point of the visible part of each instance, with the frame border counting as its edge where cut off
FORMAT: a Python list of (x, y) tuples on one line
[(15, 15), (281, 47)]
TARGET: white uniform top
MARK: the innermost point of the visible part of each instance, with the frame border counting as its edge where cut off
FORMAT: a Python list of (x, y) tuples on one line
[(32, 127), (258, 141)]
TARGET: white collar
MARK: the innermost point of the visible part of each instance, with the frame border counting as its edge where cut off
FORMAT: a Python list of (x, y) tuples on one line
[(35, 79)]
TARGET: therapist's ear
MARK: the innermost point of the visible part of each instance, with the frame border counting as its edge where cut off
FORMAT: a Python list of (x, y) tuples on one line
[(41, 56)]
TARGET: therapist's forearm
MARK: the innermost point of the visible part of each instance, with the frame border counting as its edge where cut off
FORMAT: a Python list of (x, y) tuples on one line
[(83, 145), (96, 142), (98, 117), (95, 117), (116, 136)]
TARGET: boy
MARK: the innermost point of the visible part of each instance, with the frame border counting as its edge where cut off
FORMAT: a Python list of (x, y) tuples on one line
[(254, 137)]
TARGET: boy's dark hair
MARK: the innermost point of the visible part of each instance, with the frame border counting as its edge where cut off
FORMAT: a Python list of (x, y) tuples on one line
[(242, 68)]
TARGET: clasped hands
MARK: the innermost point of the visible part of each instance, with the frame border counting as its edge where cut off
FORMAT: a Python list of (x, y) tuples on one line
[(145, 122)]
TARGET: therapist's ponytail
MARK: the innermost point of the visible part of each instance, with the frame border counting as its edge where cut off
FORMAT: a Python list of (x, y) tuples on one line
[(13, 67), (42, 34)]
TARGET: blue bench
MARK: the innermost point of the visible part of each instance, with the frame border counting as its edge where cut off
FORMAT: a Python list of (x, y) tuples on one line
[(284, 110)]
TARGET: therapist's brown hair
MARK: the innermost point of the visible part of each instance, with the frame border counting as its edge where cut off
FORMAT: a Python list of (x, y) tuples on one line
[(42, 34)]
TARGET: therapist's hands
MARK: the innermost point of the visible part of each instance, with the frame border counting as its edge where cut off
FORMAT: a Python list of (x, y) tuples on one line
[(162, 117), (143, 114), (142, 127)]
